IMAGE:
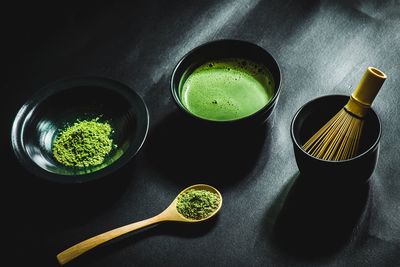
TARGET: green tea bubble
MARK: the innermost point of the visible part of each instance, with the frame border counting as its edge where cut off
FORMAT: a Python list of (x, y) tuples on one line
[(227, 89)]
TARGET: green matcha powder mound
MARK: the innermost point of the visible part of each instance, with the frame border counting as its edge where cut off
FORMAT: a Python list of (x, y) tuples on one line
[(85, 143), (197, 204)]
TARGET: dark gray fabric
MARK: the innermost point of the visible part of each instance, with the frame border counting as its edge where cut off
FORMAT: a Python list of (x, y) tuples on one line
[(270, 216)]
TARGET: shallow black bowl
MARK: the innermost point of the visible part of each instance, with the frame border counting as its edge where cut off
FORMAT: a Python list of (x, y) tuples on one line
[(311, 117), (63, 102), (221, 49)]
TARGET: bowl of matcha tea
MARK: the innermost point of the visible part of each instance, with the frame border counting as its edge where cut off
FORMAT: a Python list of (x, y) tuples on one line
[(224, 82), (79, 129)]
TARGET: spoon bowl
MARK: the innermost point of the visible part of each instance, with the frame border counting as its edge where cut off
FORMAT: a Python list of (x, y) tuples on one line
[(171, 213)]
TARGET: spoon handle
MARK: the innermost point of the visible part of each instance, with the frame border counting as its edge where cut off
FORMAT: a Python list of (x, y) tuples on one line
[(86, 245)]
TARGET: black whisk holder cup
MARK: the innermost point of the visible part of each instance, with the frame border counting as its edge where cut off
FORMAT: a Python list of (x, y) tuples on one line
[(311, 117)]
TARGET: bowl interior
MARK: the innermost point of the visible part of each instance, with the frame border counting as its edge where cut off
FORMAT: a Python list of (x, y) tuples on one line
[(63, 103), (313, 115), (224, 49)]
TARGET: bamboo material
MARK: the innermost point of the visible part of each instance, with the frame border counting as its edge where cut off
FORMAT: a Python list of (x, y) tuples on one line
[(339, 138), (169, 214)]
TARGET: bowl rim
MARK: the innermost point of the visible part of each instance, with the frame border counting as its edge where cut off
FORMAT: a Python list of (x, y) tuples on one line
[(268, 106), (26, 110), (294, 140)]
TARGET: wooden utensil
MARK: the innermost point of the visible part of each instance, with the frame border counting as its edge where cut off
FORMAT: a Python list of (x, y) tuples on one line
[(169, 214), (338, 139)]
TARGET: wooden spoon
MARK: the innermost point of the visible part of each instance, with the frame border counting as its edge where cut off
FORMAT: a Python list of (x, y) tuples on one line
[(169, 214)]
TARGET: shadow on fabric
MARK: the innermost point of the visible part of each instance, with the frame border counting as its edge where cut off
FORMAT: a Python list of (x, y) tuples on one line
[(319, 217), (188, 152)]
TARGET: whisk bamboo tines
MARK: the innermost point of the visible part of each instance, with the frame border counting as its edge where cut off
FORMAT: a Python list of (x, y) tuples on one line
[(339, 138)]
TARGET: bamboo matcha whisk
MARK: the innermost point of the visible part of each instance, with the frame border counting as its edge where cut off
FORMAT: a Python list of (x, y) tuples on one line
[(338, 139)]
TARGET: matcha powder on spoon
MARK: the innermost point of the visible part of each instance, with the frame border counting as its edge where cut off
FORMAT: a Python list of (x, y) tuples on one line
[(84, 144), (197, 204)]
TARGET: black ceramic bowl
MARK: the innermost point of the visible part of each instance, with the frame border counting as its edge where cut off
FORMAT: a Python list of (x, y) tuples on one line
[(63, 102), (223, 49), (311, 117)]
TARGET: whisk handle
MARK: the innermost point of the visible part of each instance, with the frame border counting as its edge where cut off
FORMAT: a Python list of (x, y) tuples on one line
[(369, 86)]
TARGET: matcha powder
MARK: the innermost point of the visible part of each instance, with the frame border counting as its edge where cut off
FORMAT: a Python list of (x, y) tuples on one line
[(197, 204), (85, 143)]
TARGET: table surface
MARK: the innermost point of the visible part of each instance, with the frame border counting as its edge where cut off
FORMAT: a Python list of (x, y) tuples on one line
[(270, 216)]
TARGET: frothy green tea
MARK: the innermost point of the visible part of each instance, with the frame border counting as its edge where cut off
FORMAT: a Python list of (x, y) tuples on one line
[(227, 89)]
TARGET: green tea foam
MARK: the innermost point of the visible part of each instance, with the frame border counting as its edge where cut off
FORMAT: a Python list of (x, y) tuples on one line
[(227, 89)]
